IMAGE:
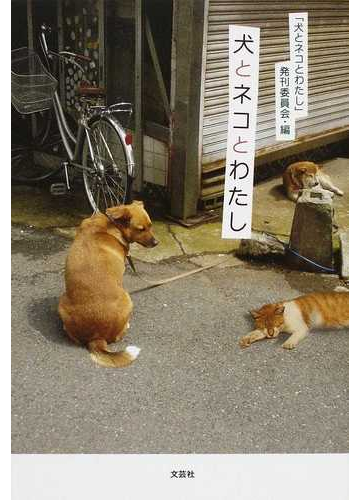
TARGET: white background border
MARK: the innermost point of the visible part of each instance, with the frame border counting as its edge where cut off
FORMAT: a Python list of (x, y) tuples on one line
[(217, 477), (118, 491)]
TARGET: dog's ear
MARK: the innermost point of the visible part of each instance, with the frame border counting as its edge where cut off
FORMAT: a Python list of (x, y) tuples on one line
[(302, 169), (120, 214), (255, 314), (138, 202)]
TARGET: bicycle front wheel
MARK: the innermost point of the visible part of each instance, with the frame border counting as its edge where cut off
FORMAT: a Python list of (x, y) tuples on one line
[(109, 162)]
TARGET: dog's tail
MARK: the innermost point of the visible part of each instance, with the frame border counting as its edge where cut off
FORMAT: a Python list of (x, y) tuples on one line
[(102, 356)]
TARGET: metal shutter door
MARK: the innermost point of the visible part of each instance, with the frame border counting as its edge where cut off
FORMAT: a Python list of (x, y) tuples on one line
[(328, 68)]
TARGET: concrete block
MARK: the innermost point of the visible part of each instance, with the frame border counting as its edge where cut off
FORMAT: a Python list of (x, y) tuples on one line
[(344, 250), (311, 232), (260, 245)]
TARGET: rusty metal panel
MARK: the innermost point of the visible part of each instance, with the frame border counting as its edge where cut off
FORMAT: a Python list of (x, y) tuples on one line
[(328, 67)]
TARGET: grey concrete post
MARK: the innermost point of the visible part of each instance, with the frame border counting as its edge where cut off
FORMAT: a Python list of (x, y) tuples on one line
[(184, 164), (311, 232)]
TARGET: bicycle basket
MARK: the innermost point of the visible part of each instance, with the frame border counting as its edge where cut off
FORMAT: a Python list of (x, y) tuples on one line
[(32, 87)]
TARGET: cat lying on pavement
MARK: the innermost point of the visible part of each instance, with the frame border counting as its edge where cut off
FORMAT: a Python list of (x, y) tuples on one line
[(298, 316)]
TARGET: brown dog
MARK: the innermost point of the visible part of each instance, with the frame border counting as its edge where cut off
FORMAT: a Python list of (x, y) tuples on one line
[(96, 309), (306, 175)]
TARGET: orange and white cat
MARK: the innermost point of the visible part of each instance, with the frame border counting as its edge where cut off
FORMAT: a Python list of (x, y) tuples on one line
[(298, 316), (306, 175)]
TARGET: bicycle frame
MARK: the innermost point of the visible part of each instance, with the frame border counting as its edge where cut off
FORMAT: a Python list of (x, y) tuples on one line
[(74, 145), (73, 152)]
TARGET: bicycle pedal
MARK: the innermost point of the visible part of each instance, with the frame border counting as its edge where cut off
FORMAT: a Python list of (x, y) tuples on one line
[(58, 189)]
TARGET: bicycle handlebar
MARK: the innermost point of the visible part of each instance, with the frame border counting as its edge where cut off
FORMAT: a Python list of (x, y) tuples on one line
[(45, 29), (81, 57)]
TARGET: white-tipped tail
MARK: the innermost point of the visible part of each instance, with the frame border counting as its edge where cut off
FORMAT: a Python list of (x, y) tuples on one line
[(102, 356), (133, 351)]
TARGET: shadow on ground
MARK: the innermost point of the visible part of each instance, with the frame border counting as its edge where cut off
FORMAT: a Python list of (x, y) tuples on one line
[(277, 192), (44, 318)]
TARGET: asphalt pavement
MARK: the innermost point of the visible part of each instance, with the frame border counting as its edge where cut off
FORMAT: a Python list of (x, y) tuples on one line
[(192, 389)]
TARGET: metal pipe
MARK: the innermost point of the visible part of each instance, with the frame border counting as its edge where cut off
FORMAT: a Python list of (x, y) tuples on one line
[(58, 106), (62, 133)]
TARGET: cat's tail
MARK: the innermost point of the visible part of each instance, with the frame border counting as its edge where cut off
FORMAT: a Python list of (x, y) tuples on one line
[(102, 356)]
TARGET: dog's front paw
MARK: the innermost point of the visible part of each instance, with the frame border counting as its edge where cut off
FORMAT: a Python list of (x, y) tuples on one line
[(339, 192)]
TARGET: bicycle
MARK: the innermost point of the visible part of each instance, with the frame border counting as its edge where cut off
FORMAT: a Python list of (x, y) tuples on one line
[(101, 148)]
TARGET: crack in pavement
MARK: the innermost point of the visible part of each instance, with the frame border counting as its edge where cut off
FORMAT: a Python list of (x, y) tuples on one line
[(176, 239)]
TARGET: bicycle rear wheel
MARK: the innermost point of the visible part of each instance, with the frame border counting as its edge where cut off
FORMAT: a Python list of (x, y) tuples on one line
[(108, 182)]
